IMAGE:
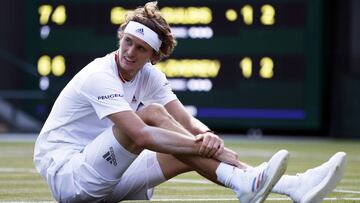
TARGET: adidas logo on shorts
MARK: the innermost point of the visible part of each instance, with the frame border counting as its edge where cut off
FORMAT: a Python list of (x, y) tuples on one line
[(110, 156)]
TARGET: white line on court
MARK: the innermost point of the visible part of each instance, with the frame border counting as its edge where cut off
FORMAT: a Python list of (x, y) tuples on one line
[(347, 191), (17, 170), (178, 180)]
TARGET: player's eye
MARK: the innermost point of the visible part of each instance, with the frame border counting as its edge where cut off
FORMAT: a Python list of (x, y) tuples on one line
[(128, 41), (142, 49)]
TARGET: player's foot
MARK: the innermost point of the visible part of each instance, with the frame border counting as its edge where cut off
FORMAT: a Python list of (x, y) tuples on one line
[(260, 180), (316, 183)]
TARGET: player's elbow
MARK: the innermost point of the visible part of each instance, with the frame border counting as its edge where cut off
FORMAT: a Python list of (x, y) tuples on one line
[(144, 138)]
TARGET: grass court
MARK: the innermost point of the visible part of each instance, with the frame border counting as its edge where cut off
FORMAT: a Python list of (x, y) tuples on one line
[(20, 183)]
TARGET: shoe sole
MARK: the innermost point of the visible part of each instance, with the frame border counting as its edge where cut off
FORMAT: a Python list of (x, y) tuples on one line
[(279, 162), (330, 181)]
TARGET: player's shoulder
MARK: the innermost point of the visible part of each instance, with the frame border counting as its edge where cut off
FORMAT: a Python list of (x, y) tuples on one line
[(99, 66), (151, 71), (102, 64), (97, 72)]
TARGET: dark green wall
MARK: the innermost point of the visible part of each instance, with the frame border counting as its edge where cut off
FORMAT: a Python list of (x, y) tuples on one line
[(343, 62)]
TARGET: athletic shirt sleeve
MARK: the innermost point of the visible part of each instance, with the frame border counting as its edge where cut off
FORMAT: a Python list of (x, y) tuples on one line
[(105, 93), (158, 88)]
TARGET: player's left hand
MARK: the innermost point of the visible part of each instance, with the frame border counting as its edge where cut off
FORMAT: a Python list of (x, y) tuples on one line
[(211, 144), (230, 157)]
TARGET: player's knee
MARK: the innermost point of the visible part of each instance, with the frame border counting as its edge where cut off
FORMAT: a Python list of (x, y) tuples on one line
[(154, 114)]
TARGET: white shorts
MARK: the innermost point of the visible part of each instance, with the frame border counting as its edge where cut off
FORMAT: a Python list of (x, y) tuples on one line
[(105, 172)]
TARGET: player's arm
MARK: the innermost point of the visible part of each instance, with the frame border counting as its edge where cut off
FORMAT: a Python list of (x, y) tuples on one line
[(210, 140), (196, 127), (149, 137), (190, 123)]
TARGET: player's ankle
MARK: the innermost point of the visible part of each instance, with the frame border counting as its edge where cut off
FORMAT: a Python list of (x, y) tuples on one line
[(225, 173), (287, 185)]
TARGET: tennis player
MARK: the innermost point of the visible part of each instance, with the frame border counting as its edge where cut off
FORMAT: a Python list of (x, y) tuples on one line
[(117, 130)]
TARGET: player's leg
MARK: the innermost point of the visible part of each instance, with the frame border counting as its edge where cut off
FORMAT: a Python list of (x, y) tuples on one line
[(90, 175), (171, 166), (309, 187), (146, 172), (252, 185), (156, 115), (242, 182), (136, 183)]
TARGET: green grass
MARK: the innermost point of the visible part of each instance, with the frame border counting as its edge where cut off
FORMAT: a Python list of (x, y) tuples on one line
[(19, 182)]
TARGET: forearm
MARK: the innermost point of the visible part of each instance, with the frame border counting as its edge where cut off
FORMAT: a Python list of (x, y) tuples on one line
[(231, 157), (193, 125), (166, 141), (187, 121)]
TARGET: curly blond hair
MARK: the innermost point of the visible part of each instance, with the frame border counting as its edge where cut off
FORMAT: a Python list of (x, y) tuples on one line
[(150, 16)]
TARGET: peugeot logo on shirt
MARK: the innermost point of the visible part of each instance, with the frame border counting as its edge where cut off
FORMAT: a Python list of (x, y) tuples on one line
[(110, 96)]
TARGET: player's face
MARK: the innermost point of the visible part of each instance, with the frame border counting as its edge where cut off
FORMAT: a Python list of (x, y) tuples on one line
[(134, 53)]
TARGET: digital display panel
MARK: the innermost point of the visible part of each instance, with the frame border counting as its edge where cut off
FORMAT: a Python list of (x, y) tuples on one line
[(238, 64)]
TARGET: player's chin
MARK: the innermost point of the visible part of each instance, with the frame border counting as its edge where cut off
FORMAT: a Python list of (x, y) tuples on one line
[(132, 66)]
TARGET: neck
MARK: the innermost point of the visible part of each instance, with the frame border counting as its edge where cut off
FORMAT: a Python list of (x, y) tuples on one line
[(126, 76)]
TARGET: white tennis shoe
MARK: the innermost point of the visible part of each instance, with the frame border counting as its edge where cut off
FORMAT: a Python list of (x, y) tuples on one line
[(316, 183), (260, 180)]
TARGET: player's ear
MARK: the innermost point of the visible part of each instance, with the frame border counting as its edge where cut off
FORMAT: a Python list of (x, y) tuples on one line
[(155, 58)]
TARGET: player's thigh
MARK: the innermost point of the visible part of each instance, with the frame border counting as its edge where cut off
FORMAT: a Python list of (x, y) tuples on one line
[(91, 175), (139, 179), (106, 155)]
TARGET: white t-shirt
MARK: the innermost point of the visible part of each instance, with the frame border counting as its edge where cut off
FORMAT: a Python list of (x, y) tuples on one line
[(80, 112)]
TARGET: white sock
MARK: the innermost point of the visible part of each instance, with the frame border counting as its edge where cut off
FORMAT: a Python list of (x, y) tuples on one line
[(224, 173), (286, 185), (231, 176)]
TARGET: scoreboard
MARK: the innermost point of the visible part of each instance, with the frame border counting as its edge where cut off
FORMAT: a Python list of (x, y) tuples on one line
[(239, 64)]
